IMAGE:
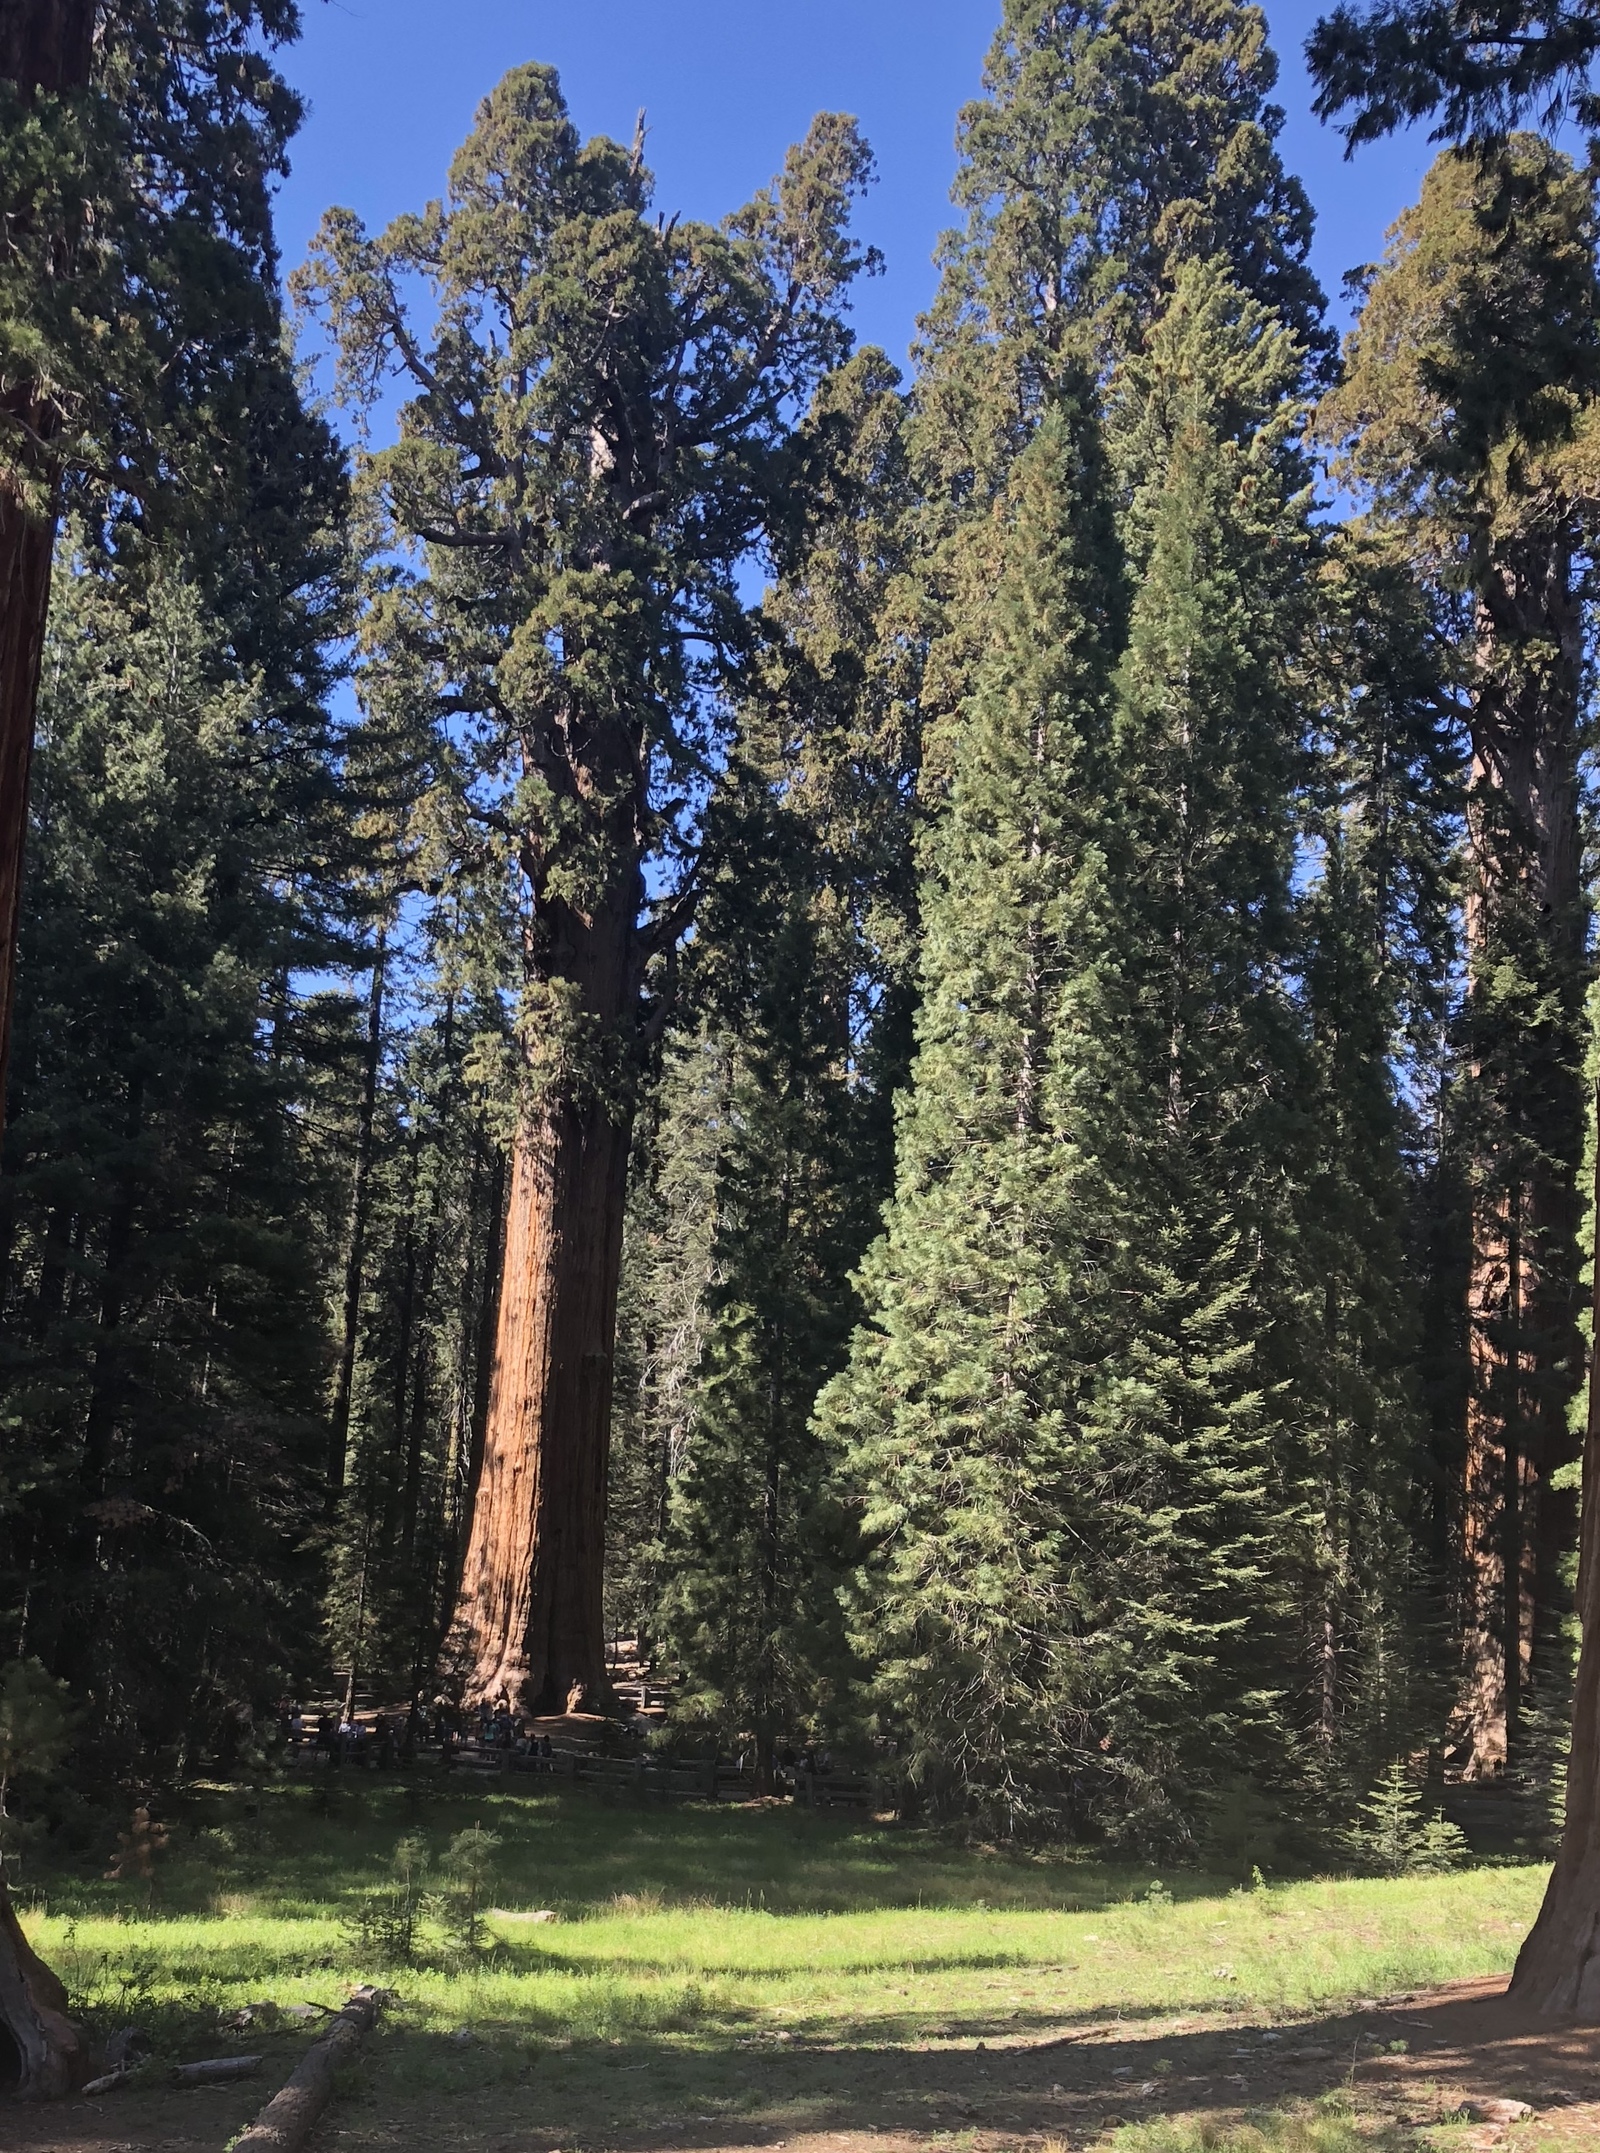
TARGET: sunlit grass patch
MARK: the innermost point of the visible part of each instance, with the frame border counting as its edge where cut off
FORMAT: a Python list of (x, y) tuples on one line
[(1327, 2127)]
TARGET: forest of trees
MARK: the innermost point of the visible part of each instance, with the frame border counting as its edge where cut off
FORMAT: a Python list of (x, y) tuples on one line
[(925, 1039)]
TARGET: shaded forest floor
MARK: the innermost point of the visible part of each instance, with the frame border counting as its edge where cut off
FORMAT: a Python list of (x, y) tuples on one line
[(762, 1978)]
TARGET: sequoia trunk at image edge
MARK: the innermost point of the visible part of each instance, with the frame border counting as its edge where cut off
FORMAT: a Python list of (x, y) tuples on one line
[(44, 45), (530, 1622), (1558, 1967), (33, 2010)]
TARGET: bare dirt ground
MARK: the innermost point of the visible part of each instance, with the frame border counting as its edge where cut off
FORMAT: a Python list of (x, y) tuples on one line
[(1461, 2044)]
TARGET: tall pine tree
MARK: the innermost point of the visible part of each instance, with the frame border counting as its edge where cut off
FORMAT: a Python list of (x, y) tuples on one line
[(954, 1412)]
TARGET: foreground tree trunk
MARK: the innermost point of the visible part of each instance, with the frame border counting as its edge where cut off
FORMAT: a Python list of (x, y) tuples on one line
[(45, 45), (530, 1614), (1558, 1967), (1525, 917), (33, 2011)]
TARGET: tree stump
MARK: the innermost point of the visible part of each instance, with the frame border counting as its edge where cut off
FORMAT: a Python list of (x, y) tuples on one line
[(51, 2060)]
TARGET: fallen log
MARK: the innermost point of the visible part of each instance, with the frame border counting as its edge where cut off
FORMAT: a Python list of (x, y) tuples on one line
[(109, 2081), (215, 2070), (284, 2125), (51, 2059)]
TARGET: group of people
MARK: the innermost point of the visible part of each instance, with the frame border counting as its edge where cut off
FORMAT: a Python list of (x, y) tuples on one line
[(341, 1738), (813, 1762)]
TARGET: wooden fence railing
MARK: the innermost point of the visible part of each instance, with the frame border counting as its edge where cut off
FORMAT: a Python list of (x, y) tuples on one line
[(642, 1778)]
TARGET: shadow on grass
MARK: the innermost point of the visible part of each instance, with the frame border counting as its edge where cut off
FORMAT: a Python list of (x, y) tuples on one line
[(698, 2091), (299, 1845)]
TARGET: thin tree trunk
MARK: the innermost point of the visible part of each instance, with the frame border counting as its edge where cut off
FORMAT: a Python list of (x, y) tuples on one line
[(395, 1492), (355, 1257), (45, 45), (767, 1615), (105, 1386), (416, 1437), (1558, 1967), (80, 1633)]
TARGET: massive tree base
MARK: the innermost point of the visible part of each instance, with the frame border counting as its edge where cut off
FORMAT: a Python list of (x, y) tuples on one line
[(48, 2058), (1558, 1968), (530, 1614)]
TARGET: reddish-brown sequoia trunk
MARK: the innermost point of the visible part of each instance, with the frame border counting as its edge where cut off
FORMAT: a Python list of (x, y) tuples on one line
[(1558, 1967), (530, 1619), (50, 2059), (1522, 1301), (45, 45)]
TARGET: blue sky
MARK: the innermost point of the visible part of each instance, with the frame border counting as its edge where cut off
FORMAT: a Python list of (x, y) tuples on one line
[(726, 85)]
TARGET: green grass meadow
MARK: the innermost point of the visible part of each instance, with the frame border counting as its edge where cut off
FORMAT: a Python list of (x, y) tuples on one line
[(699, 1921), (757, 1969)]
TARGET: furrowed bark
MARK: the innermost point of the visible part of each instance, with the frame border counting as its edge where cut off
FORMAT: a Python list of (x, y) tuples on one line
[(1558, 1967), (529, 1622), (1522, 1294), (33, 2010), (45, 47)]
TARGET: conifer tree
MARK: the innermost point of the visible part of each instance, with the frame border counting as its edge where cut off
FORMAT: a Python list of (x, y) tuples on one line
[(167, 1222), (748, 1610), (599, 432), (667, 1275), (1196, 1128), (1081, 1479), (139, 330), (1377, 949), (1468, 411), (801, 974), (954, 1412), (1113, 142)]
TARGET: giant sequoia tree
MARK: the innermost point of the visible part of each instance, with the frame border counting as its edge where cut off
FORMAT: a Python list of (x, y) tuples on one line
[(1468, 408), (600, 431)]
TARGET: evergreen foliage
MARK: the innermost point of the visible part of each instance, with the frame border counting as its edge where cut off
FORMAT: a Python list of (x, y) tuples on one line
[(954, 1413), (164, 1213), (803, 974), (1396, 1837), (137, 291), (1112, 143), (1086, 987)]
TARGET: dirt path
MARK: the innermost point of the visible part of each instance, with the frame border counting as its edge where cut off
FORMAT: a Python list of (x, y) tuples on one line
[(1070, 2082)]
